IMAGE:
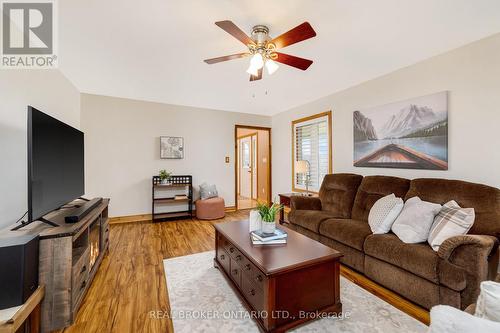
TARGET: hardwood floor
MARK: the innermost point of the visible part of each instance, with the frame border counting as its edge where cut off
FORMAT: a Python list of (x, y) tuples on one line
[(246, 203), (131, 283)]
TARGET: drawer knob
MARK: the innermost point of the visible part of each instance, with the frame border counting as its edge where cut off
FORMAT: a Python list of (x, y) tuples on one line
[(84, 268), (252, 292), (222, 257), (238, 257), (235, 272), (83, 285), (231, 249), (247, 267), (259, 278)]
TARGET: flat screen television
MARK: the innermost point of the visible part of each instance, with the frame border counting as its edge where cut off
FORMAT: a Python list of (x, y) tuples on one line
[(55, 164)]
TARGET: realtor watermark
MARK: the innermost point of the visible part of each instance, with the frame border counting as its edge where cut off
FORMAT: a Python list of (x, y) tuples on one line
[(29, 38), (241, 314)]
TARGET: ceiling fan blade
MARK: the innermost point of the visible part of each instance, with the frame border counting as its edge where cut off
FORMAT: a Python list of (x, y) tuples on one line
[(226, 58), (293, 61), (297, 34), (258, 77), (234, 31)]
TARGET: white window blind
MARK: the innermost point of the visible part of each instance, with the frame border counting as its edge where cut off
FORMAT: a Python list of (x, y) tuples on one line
[(311, 143)]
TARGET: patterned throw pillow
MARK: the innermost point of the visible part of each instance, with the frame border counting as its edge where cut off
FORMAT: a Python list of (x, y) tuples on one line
[(452, 220), (384, 212), (208, 191), (415, 221)]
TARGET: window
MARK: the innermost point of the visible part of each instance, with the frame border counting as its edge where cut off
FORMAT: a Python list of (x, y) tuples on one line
[(312, 143)]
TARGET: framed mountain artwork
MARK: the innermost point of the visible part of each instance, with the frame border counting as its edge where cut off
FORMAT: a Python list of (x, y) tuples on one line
[(411, 134)]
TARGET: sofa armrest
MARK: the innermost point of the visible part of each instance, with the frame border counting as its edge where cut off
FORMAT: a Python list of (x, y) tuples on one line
[(477, 256), (298, 202), (480, 244)]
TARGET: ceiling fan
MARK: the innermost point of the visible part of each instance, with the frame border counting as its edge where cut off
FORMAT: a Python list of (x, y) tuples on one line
[(263, 49)]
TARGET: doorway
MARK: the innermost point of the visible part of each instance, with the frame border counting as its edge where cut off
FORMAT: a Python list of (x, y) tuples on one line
[(252, 166)]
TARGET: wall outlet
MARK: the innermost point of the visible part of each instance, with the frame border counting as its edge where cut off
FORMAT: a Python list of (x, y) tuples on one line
[(227, 159)]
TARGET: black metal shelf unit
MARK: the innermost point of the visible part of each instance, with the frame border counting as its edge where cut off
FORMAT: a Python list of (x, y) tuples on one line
[(175, 182)]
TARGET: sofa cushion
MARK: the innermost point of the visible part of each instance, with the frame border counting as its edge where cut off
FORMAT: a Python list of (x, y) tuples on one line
[(346, 231), (337, 193), (452, 220), (309, 219), (484, 199), (373, 188), (384, 212), (418, 259), (414, 223)]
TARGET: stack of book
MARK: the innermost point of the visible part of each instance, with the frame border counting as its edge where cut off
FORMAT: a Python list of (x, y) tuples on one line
[(259, 238)]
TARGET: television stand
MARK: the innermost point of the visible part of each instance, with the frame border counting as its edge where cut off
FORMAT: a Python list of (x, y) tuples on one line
[(23, 224), (69, 258)]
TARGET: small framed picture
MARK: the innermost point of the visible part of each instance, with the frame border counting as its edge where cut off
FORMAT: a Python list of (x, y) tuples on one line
[(171, 147)]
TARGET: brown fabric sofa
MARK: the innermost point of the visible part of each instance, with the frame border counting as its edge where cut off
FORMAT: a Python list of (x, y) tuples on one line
[(339, 219)]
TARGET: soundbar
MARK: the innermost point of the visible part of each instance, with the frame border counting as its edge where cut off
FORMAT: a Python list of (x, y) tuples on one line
[(79, 213)]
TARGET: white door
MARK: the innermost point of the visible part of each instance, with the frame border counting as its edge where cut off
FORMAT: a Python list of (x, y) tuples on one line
[(254, 167), (245, 167)]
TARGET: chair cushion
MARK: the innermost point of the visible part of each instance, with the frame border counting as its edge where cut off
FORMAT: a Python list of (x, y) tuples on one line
[(337, 193), (309, 219), (346, 231), (418, 259)]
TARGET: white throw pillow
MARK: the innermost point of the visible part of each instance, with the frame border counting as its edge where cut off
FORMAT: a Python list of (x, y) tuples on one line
[(384, 212), (452, 220), (488, 302), (414, 223), (447, 319)]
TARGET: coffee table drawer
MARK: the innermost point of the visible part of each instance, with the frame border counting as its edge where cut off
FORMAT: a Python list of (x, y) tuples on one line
[(252, 273), (235, 272), (234, 252), (259, 279), (247, 268), (223, 258), (252, 294)]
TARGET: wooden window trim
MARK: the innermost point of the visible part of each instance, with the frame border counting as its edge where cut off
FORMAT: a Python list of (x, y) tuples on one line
[(328, 114)]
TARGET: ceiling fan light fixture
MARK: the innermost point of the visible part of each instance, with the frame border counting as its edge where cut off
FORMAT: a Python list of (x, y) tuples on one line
[(252, 70), (257, 61), (271, 66)]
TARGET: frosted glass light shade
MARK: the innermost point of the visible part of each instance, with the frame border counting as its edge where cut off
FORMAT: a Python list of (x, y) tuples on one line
[(271, 66), (252, 70), (257, 61)]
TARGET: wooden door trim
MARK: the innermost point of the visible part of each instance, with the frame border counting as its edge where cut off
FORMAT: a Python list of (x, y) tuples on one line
[(269, 162)]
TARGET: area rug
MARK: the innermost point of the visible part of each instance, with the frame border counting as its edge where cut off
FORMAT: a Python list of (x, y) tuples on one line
[(201, 300)]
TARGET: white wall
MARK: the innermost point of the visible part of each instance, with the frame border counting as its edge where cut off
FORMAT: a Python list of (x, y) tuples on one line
[(471, 74), (122, 148), (48, 91)]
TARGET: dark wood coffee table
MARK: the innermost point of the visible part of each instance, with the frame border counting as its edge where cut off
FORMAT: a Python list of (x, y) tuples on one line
[(282, 285)]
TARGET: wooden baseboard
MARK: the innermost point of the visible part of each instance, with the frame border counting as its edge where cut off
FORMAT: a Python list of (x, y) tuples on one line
[(130, 218), (390, 297), (147, 217), (229, 209)]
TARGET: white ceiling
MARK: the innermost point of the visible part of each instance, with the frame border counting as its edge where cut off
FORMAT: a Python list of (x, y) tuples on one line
[(154, 49)]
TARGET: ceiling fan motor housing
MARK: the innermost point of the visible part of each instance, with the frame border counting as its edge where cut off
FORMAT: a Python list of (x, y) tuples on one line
[(260, 35)]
